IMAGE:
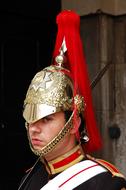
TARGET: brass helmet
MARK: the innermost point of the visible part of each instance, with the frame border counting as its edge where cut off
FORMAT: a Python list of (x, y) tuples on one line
[(50, 91)]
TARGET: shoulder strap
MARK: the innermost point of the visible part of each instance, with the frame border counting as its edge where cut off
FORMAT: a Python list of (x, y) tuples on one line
[(110, 167)]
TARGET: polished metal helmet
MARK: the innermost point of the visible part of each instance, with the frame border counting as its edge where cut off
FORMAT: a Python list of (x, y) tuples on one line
[(50, 91)]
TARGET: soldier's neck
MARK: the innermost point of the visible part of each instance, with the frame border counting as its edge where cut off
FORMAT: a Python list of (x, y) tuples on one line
[(66, 160)]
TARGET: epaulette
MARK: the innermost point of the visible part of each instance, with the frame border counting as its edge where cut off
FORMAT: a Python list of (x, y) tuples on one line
[(110, 167)]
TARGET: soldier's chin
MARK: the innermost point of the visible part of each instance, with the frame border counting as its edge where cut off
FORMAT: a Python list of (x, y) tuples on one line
[(36, 151), (36, 148)]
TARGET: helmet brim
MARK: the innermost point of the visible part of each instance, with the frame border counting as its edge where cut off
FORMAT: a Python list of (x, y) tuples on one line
[(35, 112)]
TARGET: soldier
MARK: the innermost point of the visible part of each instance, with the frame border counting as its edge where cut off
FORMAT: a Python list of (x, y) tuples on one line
[(61, 124)]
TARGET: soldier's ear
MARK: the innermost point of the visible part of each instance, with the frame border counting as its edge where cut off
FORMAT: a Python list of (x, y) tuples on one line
[(75, 129)]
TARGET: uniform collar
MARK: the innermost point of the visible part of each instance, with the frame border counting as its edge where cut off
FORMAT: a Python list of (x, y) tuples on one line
[(65, 161)]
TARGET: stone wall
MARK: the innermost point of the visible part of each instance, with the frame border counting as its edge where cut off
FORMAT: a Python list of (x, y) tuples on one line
[(104, 42), (119, 118)]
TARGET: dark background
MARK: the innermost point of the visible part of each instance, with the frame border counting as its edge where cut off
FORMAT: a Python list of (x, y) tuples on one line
[(27, 39)]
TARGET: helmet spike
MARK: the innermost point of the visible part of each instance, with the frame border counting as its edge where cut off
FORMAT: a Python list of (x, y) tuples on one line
[(60, 59)]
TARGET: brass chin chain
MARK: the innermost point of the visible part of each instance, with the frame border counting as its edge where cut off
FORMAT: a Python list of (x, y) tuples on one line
[(51, 145)]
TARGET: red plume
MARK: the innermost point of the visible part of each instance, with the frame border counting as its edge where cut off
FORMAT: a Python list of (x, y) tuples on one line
[(69, 27)]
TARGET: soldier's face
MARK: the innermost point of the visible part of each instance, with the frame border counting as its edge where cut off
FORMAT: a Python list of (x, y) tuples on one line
[(45, 129)]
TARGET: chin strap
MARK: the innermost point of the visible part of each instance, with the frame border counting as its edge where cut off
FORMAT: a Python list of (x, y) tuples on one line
[(51, 145)]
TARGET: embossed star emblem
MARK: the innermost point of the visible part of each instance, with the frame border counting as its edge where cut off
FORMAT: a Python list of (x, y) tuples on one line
[(41, 82)]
